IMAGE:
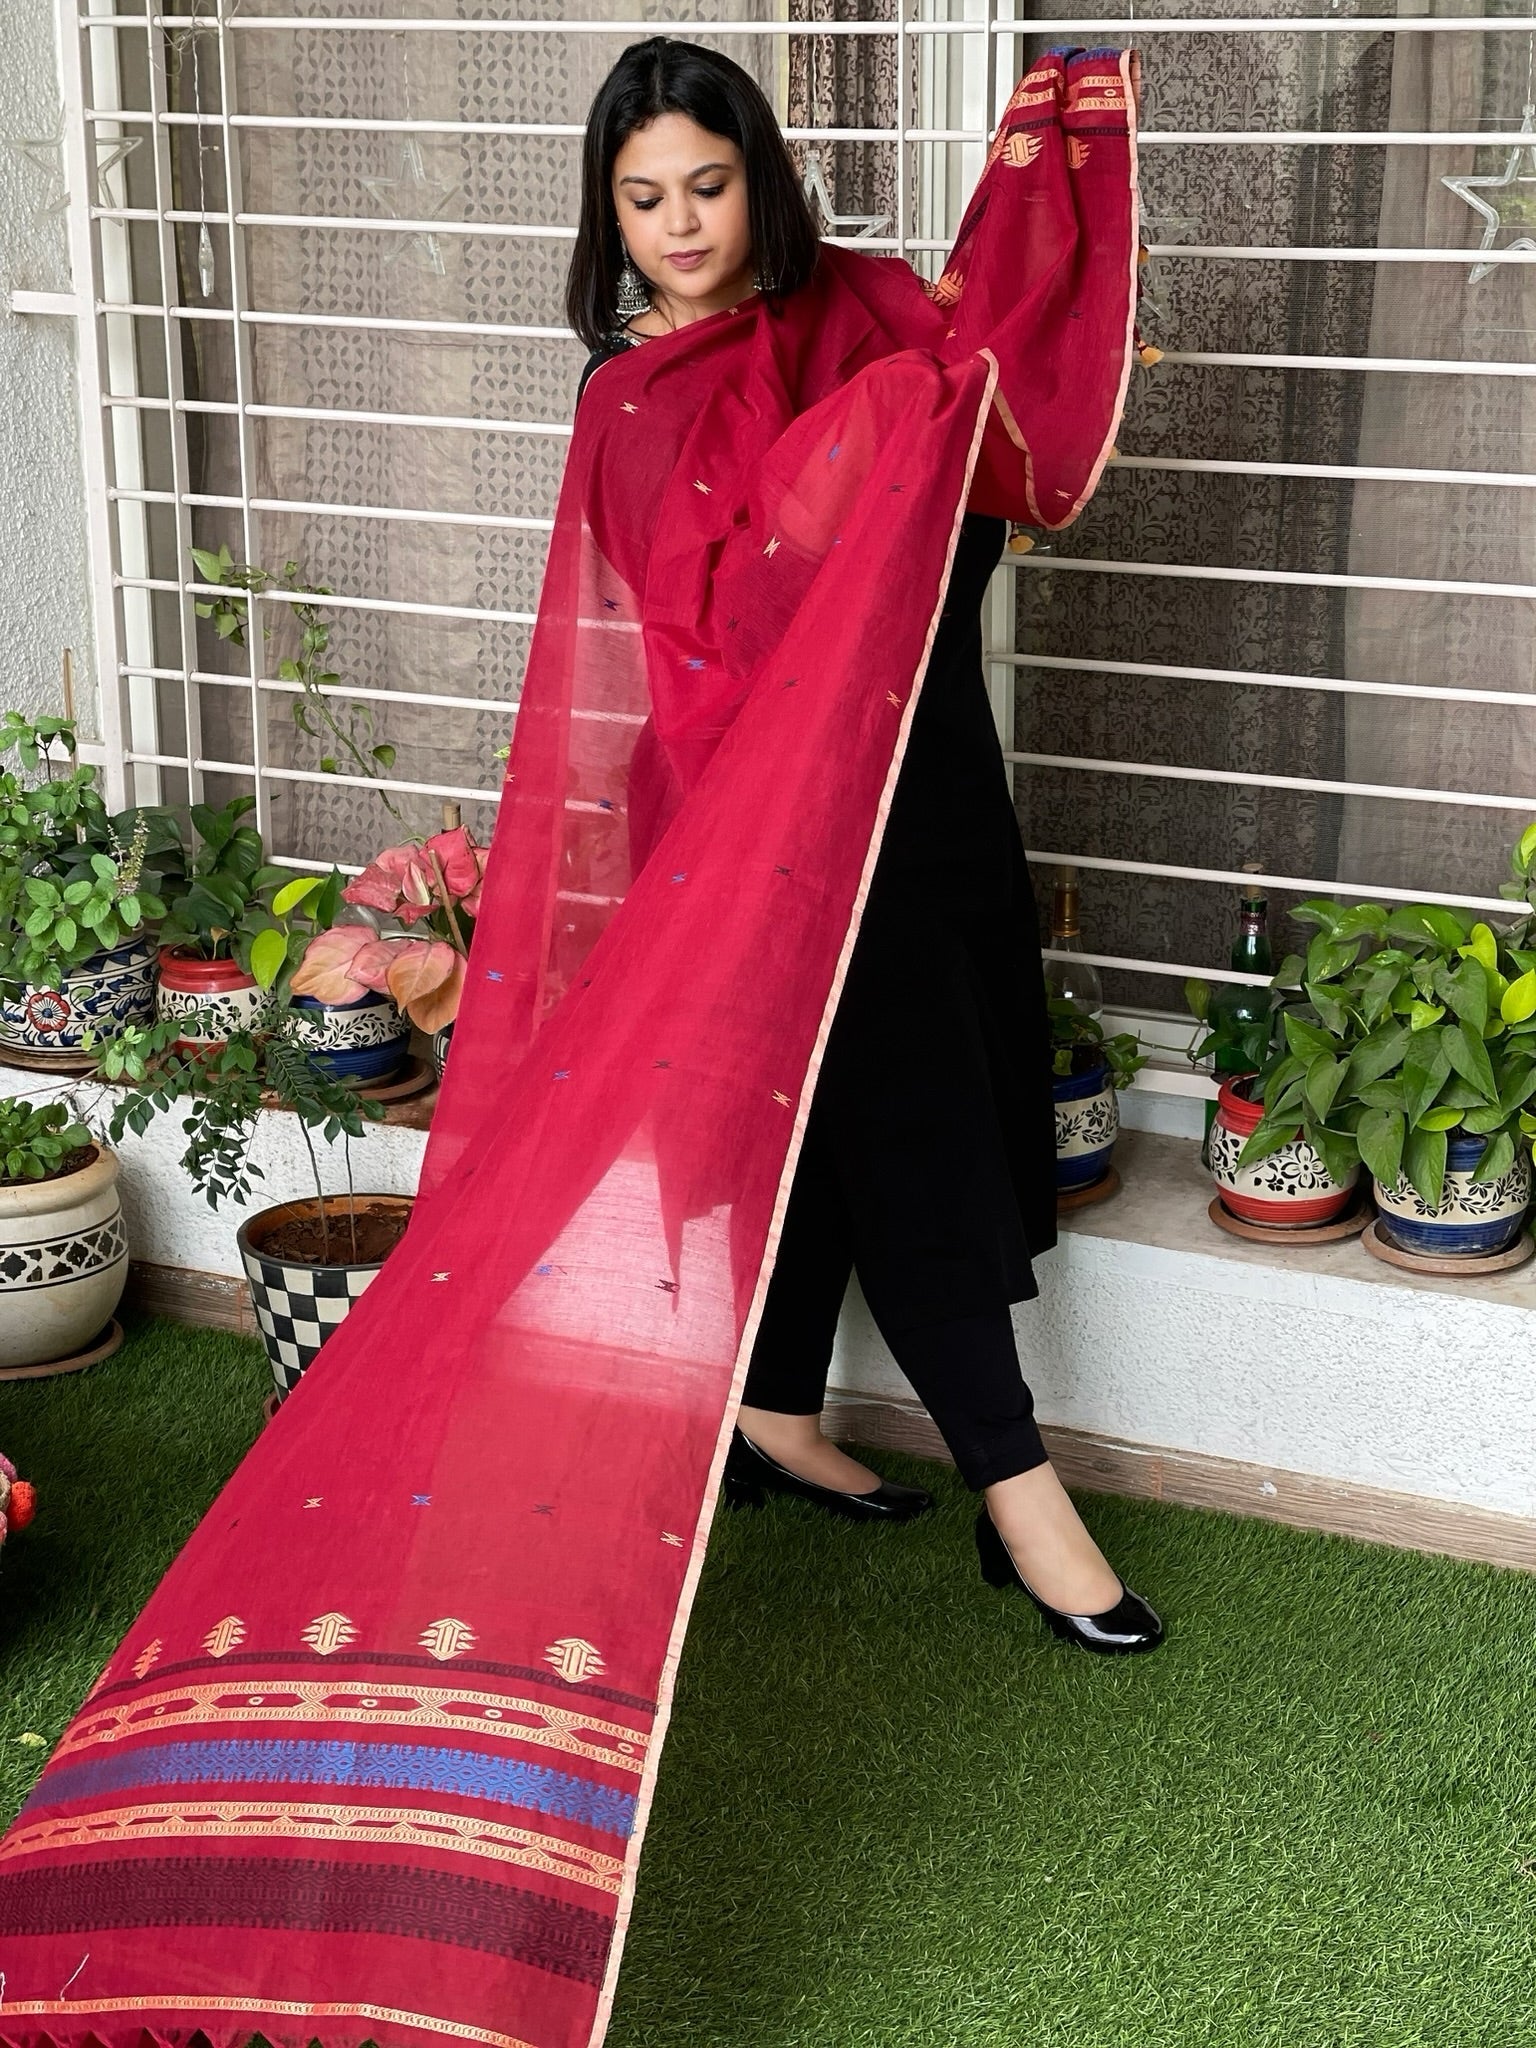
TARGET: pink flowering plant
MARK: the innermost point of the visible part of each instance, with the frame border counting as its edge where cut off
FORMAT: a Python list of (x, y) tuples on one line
[(432, 893)]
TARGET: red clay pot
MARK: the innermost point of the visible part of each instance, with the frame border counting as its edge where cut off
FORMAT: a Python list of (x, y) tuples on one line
[(1287, 1190), (224, 987)]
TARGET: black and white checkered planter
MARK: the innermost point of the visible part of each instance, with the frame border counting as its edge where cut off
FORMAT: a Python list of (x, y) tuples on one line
[(297, 1305)]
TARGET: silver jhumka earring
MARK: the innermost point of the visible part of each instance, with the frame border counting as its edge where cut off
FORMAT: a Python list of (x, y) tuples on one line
[(634, 295)]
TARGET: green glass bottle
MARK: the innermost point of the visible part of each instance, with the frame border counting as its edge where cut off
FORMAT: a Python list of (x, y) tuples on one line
[(1233, 1003)]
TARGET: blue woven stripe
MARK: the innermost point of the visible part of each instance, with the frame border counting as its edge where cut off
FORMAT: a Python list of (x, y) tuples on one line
[(391, 1766)]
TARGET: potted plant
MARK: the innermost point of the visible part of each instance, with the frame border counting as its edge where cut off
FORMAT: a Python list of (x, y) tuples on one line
[(423, 900), (1418, 1058), (63, 1249), (307, 1260), (215, 913), (1291, 1186), (362, 1040), (1088, 1068), (77, 891)]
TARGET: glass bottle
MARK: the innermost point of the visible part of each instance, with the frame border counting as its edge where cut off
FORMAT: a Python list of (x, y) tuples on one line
[(1072, 979), (1233, 1003)]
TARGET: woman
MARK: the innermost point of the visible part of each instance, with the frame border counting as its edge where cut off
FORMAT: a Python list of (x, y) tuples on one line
[(937, 1188), (374, 1762)]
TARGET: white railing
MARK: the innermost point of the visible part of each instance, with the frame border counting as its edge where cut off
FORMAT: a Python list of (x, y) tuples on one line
[(937, 133)]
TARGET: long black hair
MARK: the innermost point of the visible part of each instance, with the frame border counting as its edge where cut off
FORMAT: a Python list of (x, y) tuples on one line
[(665, 76)]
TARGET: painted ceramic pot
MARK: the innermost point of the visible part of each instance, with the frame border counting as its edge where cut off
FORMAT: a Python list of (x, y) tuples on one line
[(103, 994), (1474, 1218), (63, 1262), (1087, 1125), (441, 1040), (223, 988), (366, 1040), (1286, 1190), (298, 1304)]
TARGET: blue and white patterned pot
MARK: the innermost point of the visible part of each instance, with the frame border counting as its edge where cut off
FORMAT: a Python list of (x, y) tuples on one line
[(1087, 1125), (103, 994), (441, 1040), (1474, 1217), (366, 1040)]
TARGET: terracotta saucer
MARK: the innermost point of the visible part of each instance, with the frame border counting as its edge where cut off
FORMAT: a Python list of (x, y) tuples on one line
[(1349, 1224), (1468, 1267), (101, 1346), (1098, 1190)]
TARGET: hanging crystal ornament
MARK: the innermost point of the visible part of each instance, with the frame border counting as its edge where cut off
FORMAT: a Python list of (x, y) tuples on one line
[(1518, 209), (188, 40)]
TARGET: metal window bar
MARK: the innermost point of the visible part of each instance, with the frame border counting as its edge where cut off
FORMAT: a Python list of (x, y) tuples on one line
[(951, 112)]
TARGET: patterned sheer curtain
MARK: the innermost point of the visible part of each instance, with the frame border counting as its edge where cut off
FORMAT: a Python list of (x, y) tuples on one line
[(1464, 533), (478, 474), (1224, 195), (1281, 195)]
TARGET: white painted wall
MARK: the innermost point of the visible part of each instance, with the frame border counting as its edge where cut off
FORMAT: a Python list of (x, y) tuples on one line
[(1153, 1327), (44, 604)]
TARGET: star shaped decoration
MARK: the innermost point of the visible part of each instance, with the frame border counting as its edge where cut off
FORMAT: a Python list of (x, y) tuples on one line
[(1518, 208), (819, 193), (113, 154), (46, 153), (412, 195)]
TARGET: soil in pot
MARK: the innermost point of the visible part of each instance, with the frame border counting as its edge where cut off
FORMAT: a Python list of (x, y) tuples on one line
[(301, 1239), (72, 1162)]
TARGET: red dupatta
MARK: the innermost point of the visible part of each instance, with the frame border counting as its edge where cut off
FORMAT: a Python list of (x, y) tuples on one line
[(375, 1761)]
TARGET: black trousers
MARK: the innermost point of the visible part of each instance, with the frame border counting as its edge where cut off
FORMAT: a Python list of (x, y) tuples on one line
[(904, 1178)]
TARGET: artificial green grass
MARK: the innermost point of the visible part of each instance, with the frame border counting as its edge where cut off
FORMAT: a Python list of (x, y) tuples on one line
[(895, 1814), (125, 1457)]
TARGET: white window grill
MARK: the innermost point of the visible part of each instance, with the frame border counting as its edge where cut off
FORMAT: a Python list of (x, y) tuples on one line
[(1165, 777)]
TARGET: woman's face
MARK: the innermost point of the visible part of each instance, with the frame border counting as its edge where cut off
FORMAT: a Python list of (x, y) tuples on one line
[(681, 196)]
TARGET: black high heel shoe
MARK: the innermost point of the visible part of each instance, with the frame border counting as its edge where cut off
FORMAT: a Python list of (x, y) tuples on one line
[(1126, 1628), (750, 1473)]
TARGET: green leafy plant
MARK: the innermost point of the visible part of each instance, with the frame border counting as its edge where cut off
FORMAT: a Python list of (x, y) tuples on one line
[(74, 880), (221, 903), (1079, 1043), (344, 730), (38, 1141), (1233, 1043), (300, 910), (1415, 1024), (224, 1091)]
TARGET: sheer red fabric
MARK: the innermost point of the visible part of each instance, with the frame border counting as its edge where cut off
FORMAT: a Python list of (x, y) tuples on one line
[(375, 1761)]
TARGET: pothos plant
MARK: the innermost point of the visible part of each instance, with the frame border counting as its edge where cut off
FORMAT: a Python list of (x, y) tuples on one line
[(347, 735), (74, 879), (1079, 1042), (1413, 1024)]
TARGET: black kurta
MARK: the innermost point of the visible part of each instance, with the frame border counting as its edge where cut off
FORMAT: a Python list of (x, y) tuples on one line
[(931, 1140)]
